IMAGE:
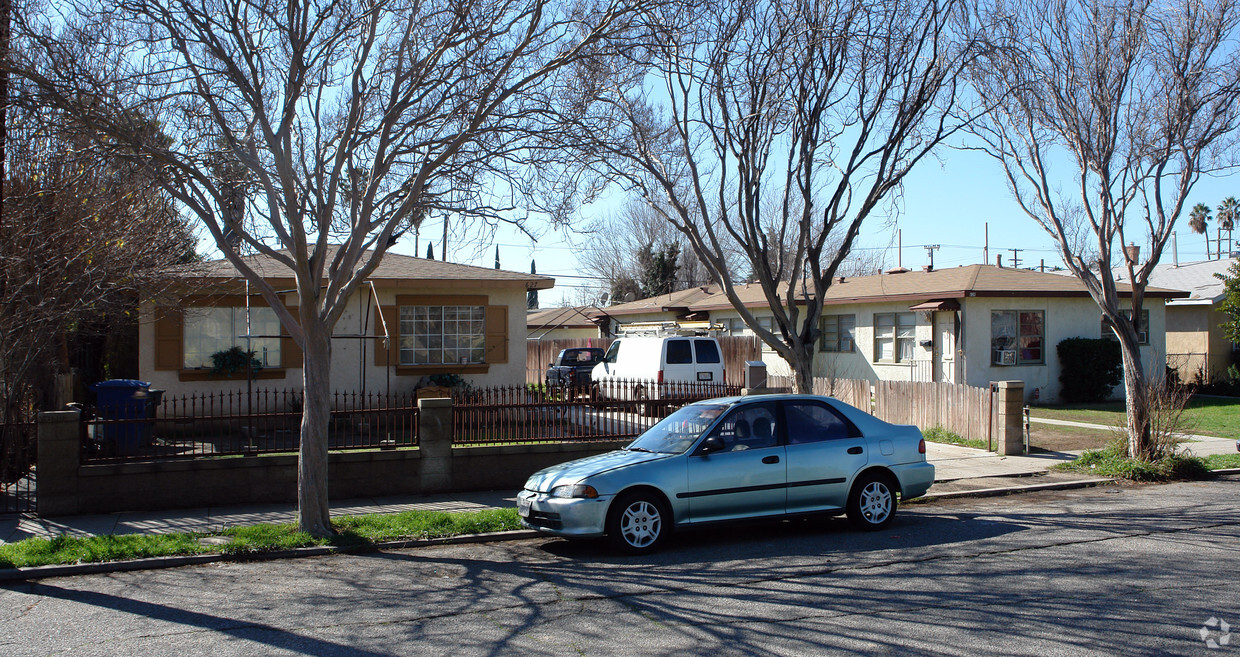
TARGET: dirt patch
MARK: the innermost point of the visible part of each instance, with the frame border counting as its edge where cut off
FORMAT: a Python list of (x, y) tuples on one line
[(1060, 438)]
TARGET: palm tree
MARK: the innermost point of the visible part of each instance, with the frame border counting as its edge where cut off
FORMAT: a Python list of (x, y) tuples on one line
[(1198, 217), (1228, 213)]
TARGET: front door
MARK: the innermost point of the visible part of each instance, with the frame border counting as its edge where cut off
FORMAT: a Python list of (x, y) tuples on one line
[(945, 346), (748, 477)]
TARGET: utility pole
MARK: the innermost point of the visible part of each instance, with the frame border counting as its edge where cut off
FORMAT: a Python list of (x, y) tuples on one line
[(1015, 258), (930, 249)]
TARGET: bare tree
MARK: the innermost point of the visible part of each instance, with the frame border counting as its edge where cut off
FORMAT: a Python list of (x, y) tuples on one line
[(1104, 116), (818, 109), (609, 252), (82, 239), (317, 133)]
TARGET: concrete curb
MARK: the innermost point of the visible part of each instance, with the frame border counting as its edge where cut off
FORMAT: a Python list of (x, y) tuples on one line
[(41, 572), (1010, 490), (154, 563)]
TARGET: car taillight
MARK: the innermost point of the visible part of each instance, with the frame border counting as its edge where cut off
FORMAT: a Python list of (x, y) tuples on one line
[(921, 446), (660, 376)]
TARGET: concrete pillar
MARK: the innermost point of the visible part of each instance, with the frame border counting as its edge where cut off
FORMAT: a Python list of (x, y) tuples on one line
[(435, 444), (1010, 406), (60, 457)]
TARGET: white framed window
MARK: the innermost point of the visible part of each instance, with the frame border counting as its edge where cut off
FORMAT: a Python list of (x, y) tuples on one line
[(894, 337), (442, 335), (737, 326), (1017, 337), (1143, 331), (837, 333), (212, 329)]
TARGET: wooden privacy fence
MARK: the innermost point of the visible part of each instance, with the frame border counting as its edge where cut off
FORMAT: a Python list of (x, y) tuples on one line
[(855, 392), (962, 409)]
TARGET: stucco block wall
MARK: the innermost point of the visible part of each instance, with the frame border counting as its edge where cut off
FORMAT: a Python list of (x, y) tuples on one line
[(353, 360)]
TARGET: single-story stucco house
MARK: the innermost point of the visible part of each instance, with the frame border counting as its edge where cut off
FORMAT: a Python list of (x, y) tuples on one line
[(1197, 349), (412, 318), (972, 324)]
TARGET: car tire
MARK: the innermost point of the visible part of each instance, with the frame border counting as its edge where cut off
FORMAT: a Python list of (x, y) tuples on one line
[(872, 502), (638, 523)]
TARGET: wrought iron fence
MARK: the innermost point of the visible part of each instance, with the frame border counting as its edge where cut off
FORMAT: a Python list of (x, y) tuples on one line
[(18, 458), (239, 422), (603, 411)]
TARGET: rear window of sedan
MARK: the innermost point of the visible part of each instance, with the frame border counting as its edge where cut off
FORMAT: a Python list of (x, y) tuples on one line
[(809, 422)]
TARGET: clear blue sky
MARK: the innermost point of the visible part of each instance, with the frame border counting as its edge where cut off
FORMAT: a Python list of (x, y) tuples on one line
[(949, 202)]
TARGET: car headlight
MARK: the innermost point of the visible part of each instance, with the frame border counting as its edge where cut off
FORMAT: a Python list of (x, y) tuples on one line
[(577, 491)]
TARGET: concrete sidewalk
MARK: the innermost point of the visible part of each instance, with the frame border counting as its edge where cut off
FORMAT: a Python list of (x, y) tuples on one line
[(953, 466)]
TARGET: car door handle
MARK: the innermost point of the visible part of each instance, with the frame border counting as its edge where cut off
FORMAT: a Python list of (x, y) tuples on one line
[(770, 459), (854, 450)]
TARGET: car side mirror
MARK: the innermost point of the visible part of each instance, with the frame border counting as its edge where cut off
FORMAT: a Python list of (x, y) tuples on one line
[(711, 444)]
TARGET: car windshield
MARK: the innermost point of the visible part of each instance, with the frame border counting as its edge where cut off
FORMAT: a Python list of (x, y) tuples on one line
[(678, 431)]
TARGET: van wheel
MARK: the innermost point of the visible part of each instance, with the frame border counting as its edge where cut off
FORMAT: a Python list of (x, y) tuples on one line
[(644, 407)]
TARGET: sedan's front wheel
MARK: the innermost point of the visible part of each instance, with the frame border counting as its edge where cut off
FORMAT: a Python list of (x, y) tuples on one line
[(872, 502), (637, 523)]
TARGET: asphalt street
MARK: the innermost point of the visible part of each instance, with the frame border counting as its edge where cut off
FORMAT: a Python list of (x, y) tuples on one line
[(1113, 570)]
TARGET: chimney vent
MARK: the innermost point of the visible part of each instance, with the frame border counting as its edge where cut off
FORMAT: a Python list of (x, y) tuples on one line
[(1133, 252)]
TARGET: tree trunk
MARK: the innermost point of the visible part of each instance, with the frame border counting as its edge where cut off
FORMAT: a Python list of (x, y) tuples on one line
[(802, 363), (313, 512), (1136, 397)]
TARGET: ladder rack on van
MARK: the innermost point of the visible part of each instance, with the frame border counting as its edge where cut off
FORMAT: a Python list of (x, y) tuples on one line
[(660, 329)]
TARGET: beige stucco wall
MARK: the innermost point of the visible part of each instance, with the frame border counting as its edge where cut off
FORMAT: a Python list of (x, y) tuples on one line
[(353, 360), (1065, 318), (1196, 345)]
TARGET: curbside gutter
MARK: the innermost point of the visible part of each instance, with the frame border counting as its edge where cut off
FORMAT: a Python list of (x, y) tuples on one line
[(1011, 490), (153, 563)]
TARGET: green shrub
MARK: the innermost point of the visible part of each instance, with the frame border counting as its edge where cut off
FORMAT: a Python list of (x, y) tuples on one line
[(1111, 461), (1089, 369)]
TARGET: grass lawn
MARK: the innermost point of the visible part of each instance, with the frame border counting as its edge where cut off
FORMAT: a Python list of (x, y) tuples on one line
[(351, 532), (1207, 416), (1223, 461)]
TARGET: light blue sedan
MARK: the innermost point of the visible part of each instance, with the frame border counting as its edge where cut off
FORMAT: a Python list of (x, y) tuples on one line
[(733, 458)]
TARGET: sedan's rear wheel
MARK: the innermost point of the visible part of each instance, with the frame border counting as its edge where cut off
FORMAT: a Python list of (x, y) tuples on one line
[(872, 502), (637, 523)]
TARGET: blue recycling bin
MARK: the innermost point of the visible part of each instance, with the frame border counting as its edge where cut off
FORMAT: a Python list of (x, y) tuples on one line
[(124, 399)]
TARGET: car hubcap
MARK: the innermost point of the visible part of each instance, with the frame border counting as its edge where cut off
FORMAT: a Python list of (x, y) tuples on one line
[(875, 502), (640, 524)]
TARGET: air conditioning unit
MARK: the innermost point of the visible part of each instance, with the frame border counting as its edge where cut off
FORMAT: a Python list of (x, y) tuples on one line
[(1007, 357)]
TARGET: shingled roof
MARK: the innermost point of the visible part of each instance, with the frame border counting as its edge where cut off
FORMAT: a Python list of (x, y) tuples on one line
[(910, 286), (394, 267)]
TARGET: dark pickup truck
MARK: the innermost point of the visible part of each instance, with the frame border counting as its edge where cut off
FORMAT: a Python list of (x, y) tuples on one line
[(572, 367)]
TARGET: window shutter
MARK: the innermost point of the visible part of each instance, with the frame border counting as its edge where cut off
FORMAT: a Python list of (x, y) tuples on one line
[(290, 353), (390, 353), (497, 334), (169, 333)]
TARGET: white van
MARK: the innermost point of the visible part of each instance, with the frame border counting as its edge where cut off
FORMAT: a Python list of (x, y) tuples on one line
[(658, 360)]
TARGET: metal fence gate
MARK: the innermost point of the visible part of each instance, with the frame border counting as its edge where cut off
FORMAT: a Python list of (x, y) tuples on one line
[(18, 452)]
